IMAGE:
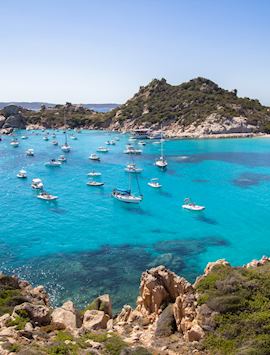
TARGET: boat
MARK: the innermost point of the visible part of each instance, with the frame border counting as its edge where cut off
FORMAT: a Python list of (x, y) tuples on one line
[(132, 168), (22, 174), (65, 147), (127, 195), (94, 173), (53, 163), (131, 150), (141, 133), (37, 184), (46, 138), (102, 150), (24, 137), (73, 137), (154, 183), (54, 142), (53, 135), (141, 143), (15, 143), (94, 157), (46, 196), (95, 183), (62, 158), (189, 205), (30, 152), (161, 162)]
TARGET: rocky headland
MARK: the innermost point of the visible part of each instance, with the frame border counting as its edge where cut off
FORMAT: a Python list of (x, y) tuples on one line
[(226, 311), (198, 108)]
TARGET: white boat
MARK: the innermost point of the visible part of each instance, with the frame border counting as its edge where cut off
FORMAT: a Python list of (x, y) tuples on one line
[(54, 142), (189, 205), (131, 150), (141, 143), (73, 137), (53, 163), (126, 195), (94, 157), (37, 184), (22, 174), (154, 183), (65, 147), (14, 143), (62, 158), (46, 196), (95, 183), (94, 173), (24, 137), (30, 152), (161, 162), (132, 168), (102, 150), (46, 138)]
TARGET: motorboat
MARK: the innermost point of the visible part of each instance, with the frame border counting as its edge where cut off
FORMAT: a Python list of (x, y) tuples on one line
[(132, 168), (94, 173), (22, 174), (53, 163), (46, 196), (24, 137), (30, 152), (131, 150), (111, 142), (95, 183), (37, 184), (66, 148), (46, 138), (126, 196), (94, 157), (62, 159), (142, 133), (141, 143), (14, 143), (102, 150), (189, 205), (55, 142), (154, 183), (53, 135), (73, 137)]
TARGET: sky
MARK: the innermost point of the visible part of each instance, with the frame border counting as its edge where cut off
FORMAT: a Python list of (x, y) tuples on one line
[(97, 51)]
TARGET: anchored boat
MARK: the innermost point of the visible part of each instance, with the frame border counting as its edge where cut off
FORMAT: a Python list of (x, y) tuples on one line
[(189, 205), (22, 174), (37, 184), (154, 183)]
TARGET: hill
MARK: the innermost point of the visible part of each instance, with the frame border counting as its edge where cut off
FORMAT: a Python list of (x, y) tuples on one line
[(198, 107)]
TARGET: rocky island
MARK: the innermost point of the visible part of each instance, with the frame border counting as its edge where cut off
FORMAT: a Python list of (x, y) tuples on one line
[(226, 311), (198, 108)]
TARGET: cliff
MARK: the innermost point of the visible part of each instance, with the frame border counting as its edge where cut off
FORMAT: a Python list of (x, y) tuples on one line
[(226, 311)]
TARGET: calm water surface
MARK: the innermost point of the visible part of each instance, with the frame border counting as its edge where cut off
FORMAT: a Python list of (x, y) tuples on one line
[(88, 243)]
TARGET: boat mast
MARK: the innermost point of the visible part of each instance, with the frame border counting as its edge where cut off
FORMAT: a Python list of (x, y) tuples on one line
[(65, 125), (161, 141)]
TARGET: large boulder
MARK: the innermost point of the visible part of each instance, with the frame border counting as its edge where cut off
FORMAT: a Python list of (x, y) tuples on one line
[(37, 314), (65, 315), (15, 121), (95, 320), (2, 120), (166, 323), (102, 303)]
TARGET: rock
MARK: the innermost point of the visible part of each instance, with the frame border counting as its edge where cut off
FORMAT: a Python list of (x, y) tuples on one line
[(102, 303), (94, 344), (11, 110), (94, 320), (28, 327), (209, 268), (38, 314), (2, 120), (4, 319), (39, 294), (166, 323), (123, 316), (15, 121), (158, 288), (195, 333), (255, 263), (65, 316)]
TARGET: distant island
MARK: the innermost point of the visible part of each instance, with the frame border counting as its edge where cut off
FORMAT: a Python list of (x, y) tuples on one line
[(198, 108)]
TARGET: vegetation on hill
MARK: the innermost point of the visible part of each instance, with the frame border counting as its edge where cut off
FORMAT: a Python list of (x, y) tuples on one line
[(241, 298), (190, 102)]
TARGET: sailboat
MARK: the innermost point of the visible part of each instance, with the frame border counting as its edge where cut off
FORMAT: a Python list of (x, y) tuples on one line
[(161, 162), (127, 195), (65, 147)]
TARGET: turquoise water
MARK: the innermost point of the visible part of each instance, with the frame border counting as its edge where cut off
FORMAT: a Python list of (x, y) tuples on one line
[(88, 243)]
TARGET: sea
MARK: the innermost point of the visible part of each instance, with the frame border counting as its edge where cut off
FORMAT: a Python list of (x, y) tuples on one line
[(87, 243)]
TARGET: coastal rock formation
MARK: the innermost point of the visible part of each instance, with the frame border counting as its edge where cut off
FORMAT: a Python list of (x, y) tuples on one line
[(95, 320), (66, 316)]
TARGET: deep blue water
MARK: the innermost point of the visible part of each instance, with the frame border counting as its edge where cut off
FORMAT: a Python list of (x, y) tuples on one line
[(87, 243)]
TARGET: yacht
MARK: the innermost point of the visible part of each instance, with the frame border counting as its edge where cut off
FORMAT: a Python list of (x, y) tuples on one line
[(37, 184), (65, 147), (46, 196), (132, 168), (30, 152), (14, 143), (53, 163), (94, 173), (131, 150), (94, 157), (95, 183), (189, 205), (22, 174), (154, 183), (126, 195), (102, 150), (161, 162)]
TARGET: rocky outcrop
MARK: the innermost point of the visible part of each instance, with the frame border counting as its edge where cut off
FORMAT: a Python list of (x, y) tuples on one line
[(66, 316), (95, 320), (11, 118), (38, 314)]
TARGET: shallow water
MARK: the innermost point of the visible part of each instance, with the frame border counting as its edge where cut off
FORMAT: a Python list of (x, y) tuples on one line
[(87, 243)]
